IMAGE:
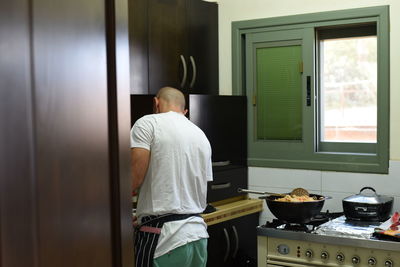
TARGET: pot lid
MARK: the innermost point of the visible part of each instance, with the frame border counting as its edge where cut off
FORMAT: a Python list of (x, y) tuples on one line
[(368, 198)]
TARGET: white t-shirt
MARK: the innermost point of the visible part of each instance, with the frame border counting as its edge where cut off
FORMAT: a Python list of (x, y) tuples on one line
[(176, 179)]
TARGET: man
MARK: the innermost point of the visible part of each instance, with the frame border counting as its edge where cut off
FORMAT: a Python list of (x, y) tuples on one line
[(171, 164)]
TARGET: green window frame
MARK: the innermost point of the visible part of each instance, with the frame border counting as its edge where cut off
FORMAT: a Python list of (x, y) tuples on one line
[(252, 36)]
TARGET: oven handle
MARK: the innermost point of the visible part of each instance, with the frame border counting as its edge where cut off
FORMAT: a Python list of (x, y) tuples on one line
[(278, 262), (287, 264), (228, 245), (274, 265)]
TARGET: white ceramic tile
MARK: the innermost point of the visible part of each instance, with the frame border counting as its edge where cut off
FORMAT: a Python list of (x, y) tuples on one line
[(394, 168), (335, 203), (349, 182), (269, 218), (396, 204), (345, 182), (265, 216), (284, 178)]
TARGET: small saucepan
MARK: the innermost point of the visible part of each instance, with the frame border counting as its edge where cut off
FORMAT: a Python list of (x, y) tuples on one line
[(292, 212)]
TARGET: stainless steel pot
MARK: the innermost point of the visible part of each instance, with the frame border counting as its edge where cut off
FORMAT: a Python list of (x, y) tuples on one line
[(367, 207)]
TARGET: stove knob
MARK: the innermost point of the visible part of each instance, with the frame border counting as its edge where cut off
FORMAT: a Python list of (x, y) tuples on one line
[(324, 255), (388, 263), (371, 261), (309, 254), (340, 257), (355, 260)]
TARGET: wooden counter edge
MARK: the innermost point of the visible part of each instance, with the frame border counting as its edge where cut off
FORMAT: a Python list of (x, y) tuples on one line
[(233, 210)]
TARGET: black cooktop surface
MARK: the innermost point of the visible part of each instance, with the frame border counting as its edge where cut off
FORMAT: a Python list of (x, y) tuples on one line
[(309, 227)]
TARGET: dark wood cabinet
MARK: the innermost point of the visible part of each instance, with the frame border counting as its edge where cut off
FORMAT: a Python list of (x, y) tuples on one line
[(173, 43), (233, 243), (64, 114)]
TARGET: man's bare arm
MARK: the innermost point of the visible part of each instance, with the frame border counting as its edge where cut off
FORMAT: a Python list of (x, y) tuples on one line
[(140, 158)]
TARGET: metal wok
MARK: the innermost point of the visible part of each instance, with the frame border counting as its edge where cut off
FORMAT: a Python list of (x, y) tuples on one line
[(291, 212), (295, 212)]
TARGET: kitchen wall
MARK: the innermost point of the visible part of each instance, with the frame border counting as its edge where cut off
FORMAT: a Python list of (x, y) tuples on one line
[(335, 184)]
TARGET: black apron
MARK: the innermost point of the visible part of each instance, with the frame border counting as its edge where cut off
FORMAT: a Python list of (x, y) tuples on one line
[(147, 234)]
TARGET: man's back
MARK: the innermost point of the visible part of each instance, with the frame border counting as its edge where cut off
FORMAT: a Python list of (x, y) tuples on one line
[(179, 167)]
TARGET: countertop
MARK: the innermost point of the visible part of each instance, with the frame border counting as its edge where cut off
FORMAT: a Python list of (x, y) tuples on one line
[(232, 208)]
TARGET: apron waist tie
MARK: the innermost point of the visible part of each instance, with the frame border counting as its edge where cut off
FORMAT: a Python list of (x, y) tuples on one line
[(149, 229), (147, 234)]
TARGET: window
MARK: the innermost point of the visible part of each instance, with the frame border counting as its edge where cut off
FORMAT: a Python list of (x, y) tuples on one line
[(348, 73), (318, 89)]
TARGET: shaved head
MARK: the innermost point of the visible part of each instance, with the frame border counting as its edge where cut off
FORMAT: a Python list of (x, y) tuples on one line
[(172, 97)]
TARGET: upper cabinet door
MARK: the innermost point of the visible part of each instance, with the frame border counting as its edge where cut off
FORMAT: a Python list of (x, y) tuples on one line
[(167, 44), (202, 20), (173, 43)]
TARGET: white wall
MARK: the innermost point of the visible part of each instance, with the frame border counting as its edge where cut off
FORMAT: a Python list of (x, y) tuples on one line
[(336, 184)]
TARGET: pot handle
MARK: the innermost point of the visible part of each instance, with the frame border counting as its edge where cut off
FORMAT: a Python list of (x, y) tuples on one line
[(367, 187), (240, 190)]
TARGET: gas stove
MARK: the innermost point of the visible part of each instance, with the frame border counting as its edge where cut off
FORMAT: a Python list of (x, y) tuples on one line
[(328, 240), (309, 227)]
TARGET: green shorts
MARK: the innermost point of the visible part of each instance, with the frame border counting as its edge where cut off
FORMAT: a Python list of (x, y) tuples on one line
[(193, 254)]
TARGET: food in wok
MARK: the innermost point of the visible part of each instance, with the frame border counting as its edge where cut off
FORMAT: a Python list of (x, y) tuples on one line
[(294, 198)]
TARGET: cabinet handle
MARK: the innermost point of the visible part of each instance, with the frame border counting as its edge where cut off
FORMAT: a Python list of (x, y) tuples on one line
[(236, 241), (194, 72), (221, 163), (228, 245), (220, 186), (184, 71)]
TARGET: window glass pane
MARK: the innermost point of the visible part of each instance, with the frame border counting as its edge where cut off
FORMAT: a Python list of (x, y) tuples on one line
[(278, 79), (348, 89)]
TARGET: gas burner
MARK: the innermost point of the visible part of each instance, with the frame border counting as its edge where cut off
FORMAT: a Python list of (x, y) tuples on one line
[(307, 228), (324, 217), (274, 224), (297, 227), (319, 219)]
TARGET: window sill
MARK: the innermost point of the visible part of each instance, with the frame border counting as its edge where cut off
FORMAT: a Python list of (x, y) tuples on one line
[(351, 164)]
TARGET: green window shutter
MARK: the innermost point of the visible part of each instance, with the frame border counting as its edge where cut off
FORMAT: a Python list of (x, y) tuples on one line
[(279, 93)]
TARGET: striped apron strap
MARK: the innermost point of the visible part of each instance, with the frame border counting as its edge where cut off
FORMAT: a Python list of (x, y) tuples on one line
[(147, 234)]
